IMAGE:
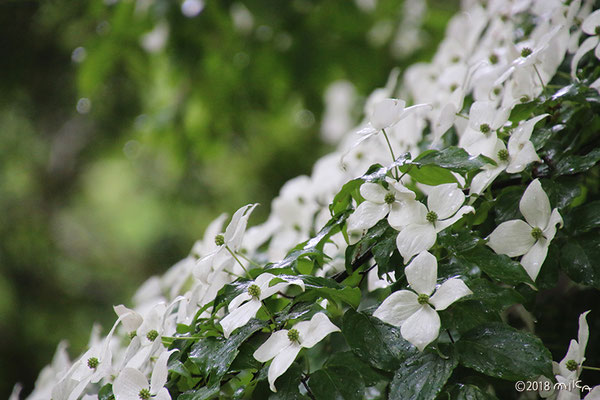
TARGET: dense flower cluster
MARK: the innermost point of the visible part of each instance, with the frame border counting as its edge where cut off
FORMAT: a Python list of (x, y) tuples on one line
[(463, 135)]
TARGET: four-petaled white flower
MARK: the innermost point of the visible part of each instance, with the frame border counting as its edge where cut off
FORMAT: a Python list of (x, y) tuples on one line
[(385, 114), (231, 241), (284, 345), (416, 312), (591, 26), (131, 384), (397, 201), (245, 306), (528, 239), (443, 209)]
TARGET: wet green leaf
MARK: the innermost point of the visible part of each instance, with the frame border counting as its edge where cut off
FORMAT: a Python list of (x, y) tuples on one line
[(337, 382)]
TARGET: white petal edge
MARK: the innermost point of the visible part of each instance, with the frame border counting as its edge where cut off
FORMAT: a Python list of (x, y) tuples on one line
[(316, 330), (512, 238), (421, 273), (421, 328), (397, 307), (535, 206), (273, 346), (281, 363), (448, 292), (414, 239)]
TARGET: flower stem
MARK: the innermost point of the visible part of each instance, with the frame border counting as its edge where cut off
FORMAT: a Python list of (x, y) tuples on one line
[(236, 259), (391, 151), (249, 260), (270, 315), (590, 368), (539, 76)]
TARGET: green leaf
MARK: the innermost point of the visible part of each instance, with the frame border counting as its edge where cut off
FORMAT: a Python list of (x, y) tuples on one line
[(329, 289), (457, 242), (522, 111), (214, 355), (466, 315), (574, 164), (452, 158), (358, 253), (497, 266), (431, 175), (347, 359), (375, 342), (337, 382), (584, 218), (204, 393), (287, 384), (469, 392), (421, 377), (501, 351), (493, 295), (507, 204), (579, 259), (106, 392), (562, 191)]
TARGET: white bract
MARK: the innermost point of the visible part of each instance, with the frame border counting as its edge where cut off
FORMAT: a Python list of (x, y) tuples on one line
[(245, 306), (529, 238), (283, 346), (591, 26), (443, 209), (131, 384), (416, 312), (220, 257), (397, 201)]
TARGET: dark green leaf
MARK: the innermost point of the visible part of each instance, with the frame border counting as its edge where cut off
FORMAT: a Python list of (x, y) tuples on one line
[(358, 253), (421, 377), (470, 392), (497, 266), (287, 384), (457, 242), (493, 295), (466, 315), (337, 383), (562, 191), (583, 218), (204, 393), (501, 351), (329, 289), (573, 164), (507, 204), (214, 355), (106, 392), (579, 259), (375, 342), (348, 359), (522, 111)]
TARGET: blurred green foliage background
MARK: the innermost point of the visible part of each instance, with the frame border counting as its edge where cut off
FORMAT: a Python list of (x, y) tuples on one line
[(127, 126)]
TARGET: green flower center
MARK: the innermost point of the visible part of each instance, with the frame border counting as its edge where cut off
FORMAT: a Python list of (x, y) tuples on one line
[(144, 394), (526, 52), (254, 291), (537, 233), (152, 335), (294, 335), (389, 198), (92, 362), (497, 91), (219, 240), (571, 365), (453, 87), (431, 216), (455, 59), (524, 99), (485, 128), (132, 334), (503, 155), (494, 58), (423, 299)]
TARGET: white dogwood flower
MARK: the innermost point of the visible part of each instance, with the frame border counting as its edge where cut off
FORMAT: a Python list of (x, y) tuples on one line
[(396, 201), (443, 209), (245, 306), (416, 312), (529, 238), (284, 345), (591, 26), (131, 384)]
